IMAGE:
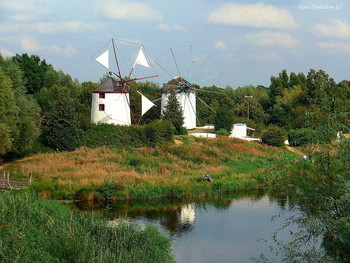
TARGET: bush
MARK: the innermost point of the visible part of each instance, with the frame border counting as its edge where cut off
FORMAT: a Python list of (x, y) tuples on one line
[(223, 132), (273, 136), (117, 136), (301, 137), (223, 120), (182, 131), (159, 132)]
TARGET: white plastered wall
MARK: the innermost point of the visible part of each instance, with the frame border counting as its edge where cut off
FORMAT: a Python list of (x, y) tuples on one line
[(239, 130), (117, 110)]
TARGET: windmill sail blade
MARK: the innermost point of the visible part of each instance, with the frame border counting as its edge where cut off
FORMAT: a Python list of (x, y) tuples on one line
[(141, 59), (104, 59), (146, 104)]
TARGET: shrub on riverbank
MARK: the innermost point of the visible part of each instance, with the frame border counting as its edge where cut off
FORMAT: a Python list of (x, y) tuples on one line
[(34, 230)]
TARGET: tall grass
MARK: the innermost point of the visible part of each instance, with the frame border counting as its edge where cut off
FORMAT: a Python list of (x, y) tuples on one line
[(152, 172), (35, 230)]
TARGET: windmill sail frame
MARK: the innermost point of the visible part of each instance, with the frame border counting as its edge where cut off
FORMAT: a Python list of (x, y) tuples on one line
[(111, 100)]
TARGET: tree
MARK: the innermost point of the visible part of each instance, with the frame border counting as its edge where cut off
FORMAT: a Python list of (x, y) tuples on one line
[(280, 115), (34, 70), (274, 136), (278, 84), (24, 122), (173, 112), (210, 99), (8, 114), (63, 130), (256, 111), (223, 120)]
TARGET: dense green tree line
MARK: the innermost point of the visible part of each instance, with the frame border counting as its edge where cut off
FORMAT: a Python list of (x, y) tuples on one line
[(43, 107)]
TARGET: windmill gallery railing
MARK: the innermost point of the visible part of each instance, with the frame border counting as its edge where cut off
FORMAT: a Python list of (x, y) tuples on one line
[(7, 183)]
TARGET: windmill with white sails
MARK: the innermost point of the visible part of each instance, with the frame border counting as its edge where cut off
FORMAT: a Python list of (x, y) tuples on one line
[(111, 100), (187, 72)]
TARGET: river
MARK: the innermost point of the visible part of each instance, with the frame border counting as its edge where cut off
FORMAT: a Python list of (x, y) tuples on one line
[(222, 230)]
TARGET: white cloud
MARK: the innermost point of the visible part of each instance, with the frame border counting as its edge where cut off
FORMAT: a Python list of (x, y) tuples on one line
[(119, 10), (335, 46), (31, 44), (21, 18), (266, 56), (272, 39), (179, 28), (220, 45), (47, 27), (65, 26), (166, 27), (254, 15), (334, 29), (25, 10), (5, 52)]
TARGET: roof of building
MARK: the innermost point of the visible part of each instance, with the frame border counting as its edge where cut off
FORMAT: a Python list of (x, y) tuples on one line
[(110, 85), (177, 83)]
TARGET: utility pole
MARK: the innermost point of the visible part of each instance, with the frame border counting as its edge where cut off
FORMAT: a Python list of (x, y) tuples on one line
[(248, 97)]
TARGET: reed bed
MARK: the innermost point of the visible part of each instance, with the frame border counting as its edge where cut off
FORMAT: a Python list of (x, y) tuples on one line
[(169, 170), (36, 230)]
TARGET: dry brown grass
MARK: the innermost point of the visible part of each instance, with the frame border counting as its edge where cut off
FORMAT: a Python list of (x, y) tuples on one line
[(171, 165)]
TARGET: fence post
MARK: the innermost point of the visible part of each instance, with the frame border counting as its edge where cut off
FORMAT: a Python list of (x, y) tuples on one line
[(8, 180), (30, 178)]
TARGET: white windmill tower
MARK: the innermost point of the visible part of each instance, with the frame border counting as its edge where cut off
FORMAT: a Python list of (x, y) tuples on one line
[(111, 100), (186, 81)]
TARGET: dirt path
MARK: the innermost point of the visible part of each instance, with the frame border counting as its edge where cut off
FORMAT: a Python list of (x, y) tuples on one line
[(295, 150), (3, 165)]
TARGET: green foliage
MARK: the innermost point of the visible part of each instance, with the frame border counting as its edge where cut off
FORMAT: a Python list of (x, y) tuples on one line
[(280, 115), (159, 132), (259, 93), (35, 230), (18, 111), (63, 130), (173, 112), (301, 137), (223, 120), (108, 189), (183, 131), (216, 99), (223, 132), (152, 134), (152, 92), (251, 109), (34, 70), (274, 136), (8, 113), (5, 139)]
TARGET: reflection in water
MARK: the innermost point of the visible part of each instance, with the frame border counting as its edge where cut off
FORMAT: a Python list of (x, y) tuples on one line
[(213, 230), (177, 216)]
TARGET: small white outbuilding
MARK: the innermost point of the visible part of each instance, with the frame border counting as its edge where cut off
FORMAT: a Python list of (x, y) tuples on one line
[(242, 131)]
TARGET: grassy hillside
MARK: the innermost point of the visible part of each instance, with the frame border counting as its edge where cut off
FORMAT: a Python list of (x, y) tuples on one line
[(169, 170)]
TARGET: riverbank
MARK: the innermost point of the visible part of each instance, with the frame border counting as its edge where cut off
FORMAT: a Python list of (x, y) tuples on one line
[(165, 171), (37, 230)]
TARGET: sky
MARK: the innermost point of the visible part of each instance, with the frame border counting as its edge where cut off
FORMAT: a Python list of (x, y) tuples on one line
[(217, 42)]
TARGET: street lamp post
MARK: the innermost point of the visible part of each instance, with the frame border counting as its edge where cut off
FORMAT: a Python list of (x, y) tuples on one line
[(249, 97)]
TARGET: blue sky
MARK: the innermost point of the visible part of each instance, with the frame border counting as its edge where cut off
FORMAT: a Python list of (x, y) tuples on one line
[(248, 41)]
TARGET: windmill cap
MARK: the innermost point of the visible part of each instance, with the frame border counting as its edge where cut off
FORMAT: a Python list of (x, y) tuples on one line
[(175, 84)]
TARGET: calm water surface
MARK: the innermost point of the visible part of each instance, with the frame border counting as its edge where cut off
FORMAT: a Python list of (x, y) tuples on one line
[(221, 230)]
